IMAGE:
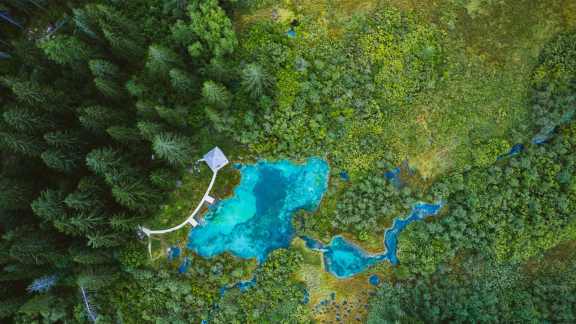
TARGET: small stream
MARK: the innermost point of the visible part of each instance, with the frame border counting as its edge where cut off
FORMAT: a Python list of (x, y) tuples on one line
[(345, 259)]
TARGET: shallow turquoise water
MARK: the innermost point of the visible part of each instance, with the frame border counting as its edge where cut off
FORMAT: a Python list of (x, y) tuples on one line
[(257, 219), (344, 259)]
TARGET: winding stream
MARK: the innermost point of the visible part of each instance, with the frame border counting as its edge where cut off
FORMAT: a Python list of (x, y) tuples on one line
[(345, 259)]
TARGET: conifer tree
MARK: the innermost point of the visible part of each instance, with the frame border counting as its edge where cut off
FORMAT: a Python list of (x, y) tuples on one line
[(83, 255), (87, 195), (135, 194), (124, 135), (216, 118), (106, 76), (216, 94), (96, 278), (123, 46), (124, 37), (104, 161), (67, 139), (22, 143), (109, 18), (32, 249), (104, 69), (161, 60), (136, 88), (82, 200), (85, 22), (114, 168), (255, 80), (28, 92), (149, 130), (173, 116), (124, 223), (103, 240), (15, 194), (99, 118), (64, 49), (175, 149), (50, 205), (147, 109), (182, 82), (61, 160), (27, 51), (18, 270), (85, 222), (38, 304), (108, 87), (27, 120)]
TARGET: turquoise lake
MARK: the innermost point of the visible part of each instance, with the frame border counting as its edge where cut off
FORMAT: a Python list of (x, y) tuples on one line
[(257, 219)]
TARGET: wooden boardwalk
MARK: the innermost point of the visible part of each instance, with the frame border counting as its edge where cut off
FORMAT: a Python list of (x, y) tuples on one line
[(215, 160)]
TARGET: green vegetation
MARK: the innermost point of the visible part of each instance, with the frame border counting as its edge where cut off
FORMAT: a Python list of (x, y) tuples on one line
[(502, 220), (268, 301), (481, 290), (329, 97), (106, 105), (389, 85), (364, 208), (501, 209)]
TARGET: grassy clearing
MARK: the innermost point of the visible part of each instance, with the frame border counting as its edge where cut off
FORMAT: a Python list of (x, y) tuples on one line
[(492, 51), (490, 54), (332, 13)]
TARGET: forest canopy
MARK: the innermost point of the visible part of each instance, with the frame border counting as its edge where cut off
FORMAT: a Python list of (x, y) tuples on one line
[(105, 107)]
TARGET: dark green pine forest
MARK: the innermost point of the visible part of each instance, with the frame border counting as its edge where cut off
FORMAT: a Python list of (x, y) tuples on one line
[(105, 105)]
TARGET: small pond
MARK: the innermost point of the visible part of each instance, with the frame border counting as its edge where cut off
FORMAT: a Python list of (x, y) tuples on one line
[(257, 219)]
